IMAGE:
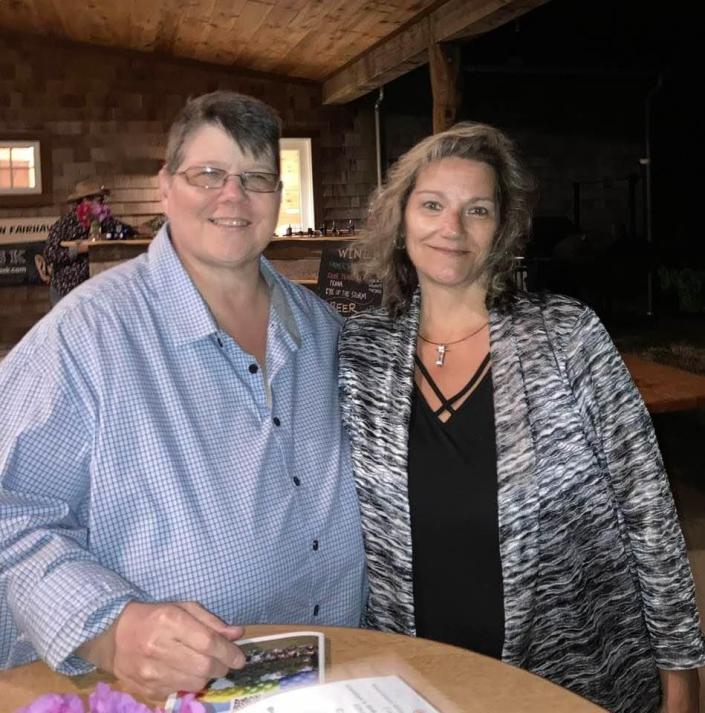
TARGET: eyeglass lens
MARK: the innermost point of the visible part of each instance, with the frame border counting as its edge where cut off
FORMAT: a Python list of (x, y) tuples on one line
[(206, 177)]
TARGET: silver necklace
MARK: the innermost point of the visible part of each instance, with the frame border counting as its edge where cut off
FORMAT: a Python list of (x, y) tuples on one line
[(442, 347)]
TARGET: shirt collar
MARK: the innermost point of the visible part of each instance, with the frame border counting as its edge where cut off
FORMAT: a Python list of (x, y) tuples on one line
[(188, 314)]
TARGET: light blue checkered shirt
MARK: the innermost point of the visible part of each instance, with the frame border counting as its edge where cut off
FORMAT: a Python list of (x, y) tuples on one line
[(141, 458)]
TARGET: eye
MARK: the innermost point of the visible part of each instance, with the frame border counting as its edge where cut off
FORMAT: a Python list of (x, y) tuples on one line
[(260, 181), (432, 205), (205, 176), (478, 210)]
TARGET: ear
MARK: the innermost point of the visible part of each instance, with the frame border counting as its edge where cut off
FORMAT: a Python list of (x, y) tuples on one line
[(165, 181)]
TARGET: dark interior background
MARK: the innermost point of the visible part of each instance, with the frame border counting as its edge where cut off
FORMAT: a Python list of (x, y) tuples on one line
[(582, 87)]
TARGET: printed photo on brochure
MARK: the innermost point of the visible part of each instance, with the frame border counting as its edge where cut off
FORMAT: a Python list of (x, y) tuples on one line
[(273, 664)]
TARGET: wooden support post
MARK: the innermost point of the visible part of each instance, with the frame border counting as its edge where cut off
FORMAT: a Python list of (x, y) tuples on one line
[(444, 63)]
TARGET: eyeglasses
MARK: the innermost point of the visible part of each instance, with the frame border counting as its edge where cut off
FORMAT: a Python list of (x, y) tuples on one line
[(209, 177)]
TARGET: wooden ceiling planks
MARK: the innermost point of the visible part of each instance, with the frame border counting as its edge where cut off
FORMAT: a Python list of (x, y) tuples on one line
[(48, 18), (366, 42), (221, 37), (247, 26), (22, 16), (298, 55), (280, 31)]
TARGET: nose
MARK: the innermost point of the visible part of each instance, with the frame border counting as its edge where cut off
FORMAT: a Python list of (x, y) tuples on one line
[(452, 224), (233, 189)]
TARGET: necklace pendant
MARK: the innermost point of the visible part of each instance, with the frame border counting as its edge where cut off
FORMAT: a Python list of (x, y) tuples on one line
[(440, 354)]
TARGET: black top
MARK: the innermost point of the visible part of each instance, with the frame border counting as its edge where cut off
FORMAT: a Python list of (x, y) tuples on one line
[(458, 595)]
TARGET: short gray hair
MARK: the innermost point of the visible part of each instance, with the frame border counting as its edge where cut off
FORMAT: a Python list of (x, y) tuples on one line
[(253, 125)]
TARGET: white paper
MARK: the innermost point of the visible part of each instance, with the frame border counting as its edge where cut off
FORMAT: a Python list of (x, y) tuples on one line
[(382, 694)]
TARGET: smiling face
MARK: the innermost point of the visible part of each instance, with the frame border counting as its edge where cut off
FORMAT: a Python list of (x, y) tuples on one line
[(226, 228), (450, 221)]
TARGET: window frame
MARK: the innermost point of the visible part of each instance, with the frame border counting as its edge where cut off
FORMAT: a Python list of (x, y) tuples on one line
[(24, 199), (304, 145), (37, 166)]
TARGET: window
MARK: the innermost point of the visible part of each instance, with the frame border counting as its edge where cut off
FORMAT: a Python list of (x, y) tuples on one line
[(297, 194), (20, 168)]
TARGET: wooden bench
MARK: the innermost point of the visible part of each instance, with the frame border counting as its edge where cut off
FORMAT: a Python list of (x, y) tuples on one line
[(666, 388)]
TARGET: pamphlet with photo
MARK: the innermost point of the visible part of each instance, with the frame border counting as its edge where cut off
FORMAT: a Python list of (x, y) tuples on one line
[(273, 664)]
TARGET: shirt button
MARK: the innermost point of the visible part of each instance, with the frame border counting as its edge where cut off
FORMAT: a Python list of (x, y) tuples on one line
[(315, 545), (296, 480), (276, 421), (316, 609), (253, 368)]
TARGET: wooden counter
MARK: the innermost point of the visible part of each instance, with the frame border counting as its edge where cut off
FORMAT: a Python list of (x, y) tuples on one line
[(298, 258), (452, 679), (666, 388)]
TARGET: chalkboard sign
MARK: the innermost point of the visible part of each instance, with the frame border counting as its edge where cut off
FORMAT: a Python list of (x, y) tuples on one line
[(336, 285), (22, 264)]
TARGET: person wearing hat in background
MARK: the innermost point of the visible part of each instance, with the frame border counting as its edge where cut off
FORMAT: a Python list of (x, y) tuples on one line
[(87, 213)]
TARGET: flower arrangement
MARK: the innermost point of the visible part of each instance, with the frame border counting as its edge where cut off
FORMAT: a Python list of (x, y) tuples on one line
[(91, 214), (102, 700)]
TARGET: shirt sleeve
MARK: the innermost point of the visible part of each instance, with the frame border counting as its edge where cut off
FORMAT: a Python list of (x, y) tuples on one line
[(629, 453), (58, 594), (62, 230)]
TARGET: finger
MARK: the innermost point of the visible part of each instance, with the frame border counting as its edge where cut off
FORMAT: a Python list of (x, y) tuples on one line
[(168, 682), (157, 677), (184, 662), (230, 632), (172, 666), (233, 632), (204, 638)]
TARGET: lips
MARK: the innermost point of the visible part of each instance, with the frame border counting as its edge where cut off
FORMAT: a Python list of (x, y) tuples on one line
[(449, 251), (230, 222)]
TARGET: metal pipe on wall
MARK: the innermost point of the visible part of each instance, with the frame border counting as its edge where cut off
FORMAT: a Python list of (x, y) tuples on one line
[(648, 218), (378, 135)]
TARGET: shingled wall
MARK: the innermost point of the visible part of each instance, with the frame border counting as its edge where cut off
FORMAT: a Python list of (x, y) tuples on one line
[(106, 113)]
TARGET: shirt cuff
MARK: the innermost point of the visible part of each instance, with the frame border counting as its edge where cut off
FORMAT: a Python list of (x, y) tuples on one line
[(70, 606)]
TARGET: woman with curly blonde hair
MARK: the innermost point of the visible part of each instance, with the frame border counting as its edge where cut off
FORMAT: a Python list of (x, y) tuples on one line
[(513, 497), (515, 193)]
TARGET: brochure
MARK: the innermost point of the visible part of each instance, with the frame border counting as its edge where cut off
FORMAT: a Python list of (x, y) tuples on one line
[(383, 694), (273, 664)]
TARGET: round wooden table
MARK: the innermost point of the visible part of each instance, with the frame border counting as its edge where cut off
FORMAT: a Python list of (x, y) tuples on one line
[(453, 680)]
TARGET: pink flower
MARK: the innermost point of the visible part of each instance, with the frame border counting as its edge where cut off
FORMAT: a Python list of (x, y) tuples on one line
[(105, 700), (89, 211), (83, 213), (189, 704), (102, 700), (54, 703)]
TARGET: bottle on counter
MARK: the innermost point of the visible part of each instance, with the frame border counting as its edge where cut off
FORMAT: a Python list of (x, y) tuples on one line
[(289, 232), (351, 227)]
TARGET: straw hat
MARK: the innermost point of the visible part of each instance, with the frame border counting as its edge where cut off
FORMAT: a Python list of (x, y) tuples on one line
[(88, 187)]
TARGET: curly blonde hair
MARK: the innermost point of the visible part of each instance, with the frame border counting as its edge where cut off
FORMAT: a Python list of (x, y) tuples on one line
[(382, 241)]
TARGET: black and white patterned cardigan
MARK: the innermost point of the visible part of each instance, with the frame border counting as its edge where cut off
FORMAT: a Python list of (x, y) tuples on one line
[(598, 592)]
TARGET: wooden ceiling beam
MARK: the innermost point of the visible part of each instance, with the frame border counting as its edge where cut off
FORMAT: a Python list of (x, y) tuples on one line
[(444, 66), (408, 48)]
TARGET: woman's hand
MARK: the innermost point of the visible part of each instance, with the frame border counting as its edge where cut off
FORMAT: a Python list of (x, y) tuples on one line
[(681, 691)]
